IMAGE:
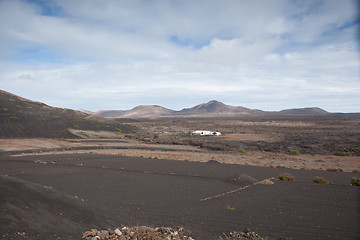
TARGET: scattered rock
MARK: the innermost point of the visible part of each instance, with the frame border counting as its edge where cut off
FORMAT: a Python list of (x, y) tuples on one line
[(266, 182), (246, 235), (138, 233), (118, 232)]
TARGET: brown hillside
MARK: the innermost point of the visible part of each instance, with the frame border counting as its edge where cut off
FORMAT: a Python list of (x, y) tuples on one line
[(22, 117)]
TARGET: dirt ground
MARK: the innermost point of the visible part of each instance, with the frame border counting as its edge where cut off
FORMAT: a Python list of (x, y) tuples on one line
[(60, 196), (134, 148)]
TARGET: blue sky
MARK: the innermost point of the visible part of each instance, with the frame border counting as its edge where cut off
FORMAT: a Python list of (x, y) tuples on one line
[(117, 54)]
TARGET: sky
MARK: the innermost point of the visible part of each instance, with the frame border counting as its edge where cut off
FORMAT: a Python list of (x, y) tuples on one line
[(117, 54)]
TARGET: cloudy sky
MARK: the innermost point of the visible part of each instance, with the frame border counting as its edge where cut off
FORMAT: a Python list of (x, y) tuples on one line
[(117, 54)]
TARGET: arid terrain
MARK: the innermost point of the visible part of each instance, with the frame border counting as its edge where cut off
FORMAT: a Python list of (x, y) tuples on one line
[(70, 159)]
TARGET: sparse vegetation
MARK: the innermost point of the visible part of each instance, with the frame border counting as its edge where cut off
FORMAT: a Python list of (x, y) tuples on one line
[(286, 177), (12, 118), (344, 154), (230, 208), (12, 100), (56, 117), (242, 150), (355, 181), (321, 180), (76, 126), (119, 130), (294, 152)]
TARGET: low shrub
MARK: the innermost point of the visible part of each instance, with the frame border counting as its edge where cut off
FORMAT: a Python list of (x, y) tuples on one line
[(321, 180), (76, 126), (242, 150), (12, 100), (344, 154), (119, 130), (294, 152), (355, 181), (230, 208), (286, 177), (12, 118)]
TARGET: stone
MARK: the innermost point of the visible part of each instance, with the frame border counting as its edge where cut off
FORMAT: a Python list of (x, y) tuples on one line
[(117, 232)]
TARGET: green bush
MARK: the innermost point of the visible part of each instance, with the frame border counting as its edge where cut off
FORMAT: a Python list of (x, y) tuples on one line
[(119, 130), (321, 180), (286, 177), (12, 100), (76, 126), (56, 117), (294, 152), (242, 150), (355, 181), (12, 118)]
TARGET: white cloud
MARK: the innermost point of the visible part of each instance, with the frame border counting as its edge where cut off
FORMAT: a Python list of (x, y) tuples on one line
[(115, 54)]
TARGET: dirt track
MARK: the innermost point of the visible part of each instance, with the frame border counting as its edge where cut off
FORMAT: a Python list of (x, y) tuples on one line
[(155, 192)]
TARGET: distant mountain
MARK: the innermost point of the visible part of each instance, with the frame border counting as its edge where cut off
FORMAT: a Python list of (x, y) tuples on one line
[(212, 108), (304, 111), (147, 111)]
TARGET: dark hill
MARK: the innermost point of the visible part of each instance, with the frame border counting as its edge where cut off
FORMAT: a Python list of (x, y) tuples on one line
[(20, 117)]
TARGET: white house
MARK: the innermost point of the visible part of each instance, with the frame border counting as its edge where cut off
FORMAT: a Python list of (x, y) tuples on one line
[(206, 133)]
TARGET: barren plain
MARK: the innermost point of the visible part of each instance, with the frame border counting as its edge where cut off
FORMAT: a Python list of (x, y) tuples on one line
[(63, 173)]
